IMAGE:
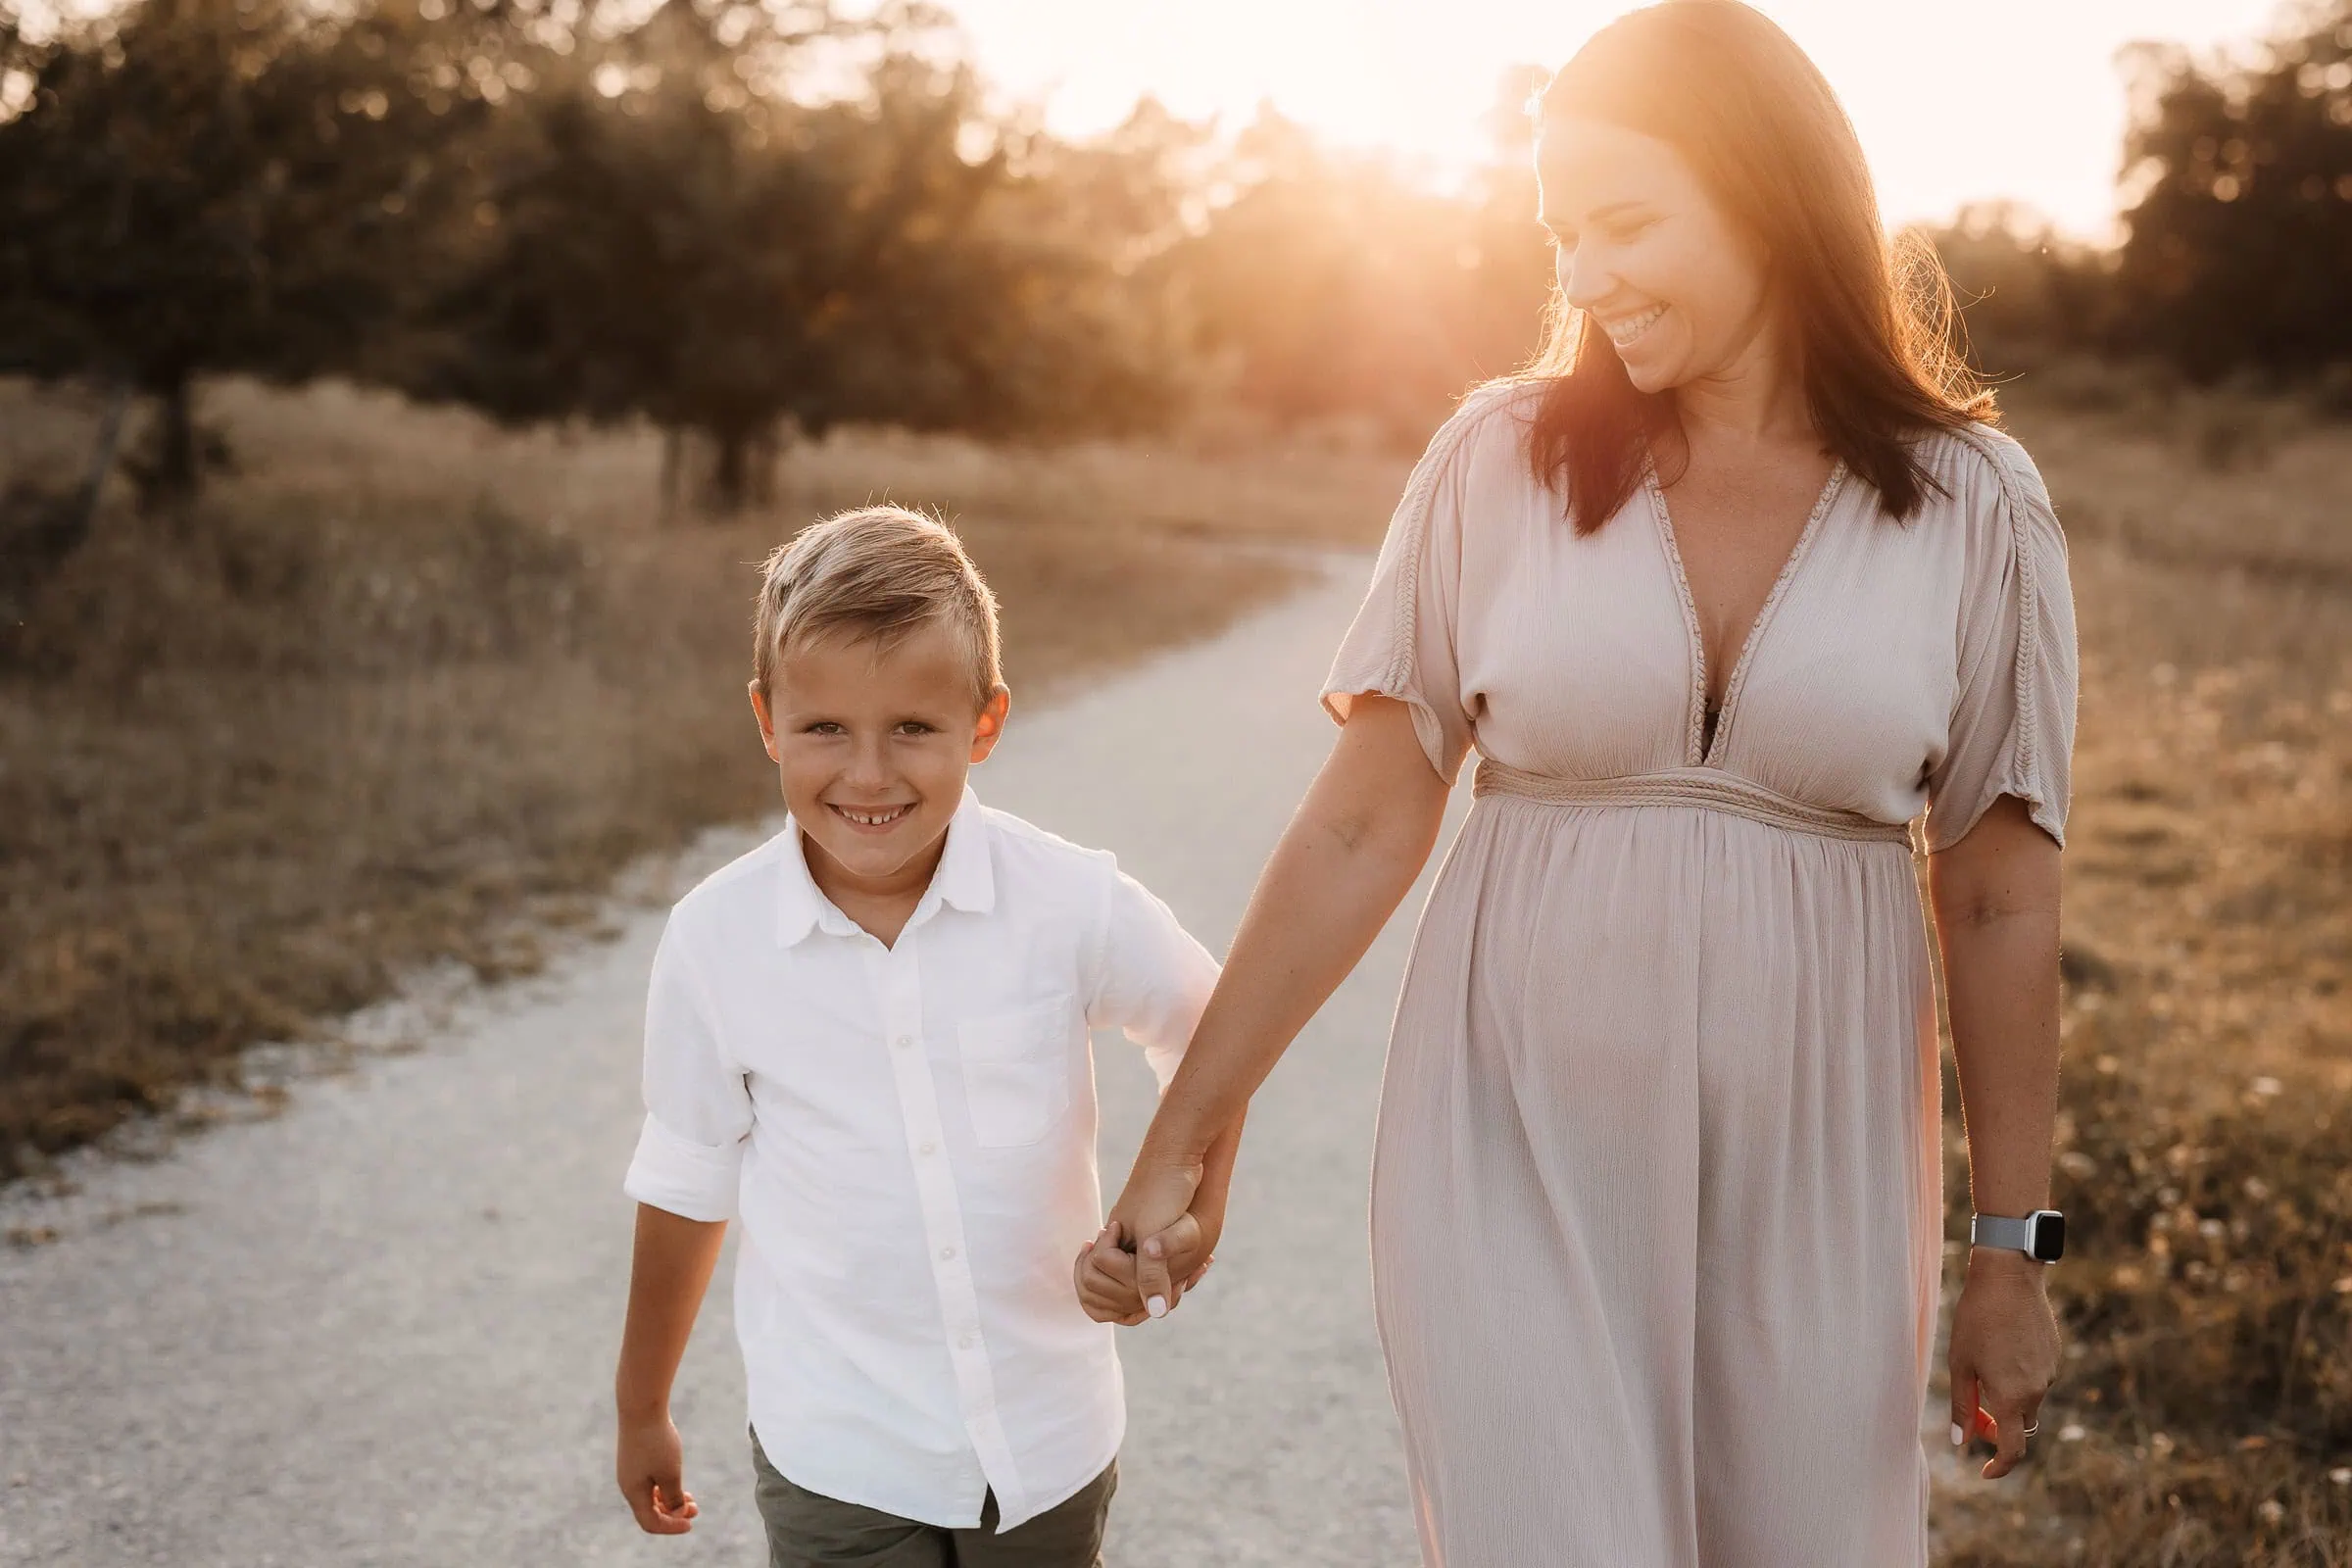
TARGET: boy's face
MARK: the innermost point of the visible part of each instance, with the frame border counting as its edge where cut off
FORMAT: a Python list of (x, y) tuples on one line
[(871, 745)]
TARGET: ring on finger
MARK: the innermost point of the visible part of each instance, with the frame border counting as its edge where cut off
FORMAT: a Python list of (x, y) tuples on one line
[(2031, 1428)]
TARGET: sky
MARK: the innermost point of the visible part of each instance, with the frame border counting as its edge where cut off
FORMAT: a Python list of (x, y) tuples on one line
[(1955, 100)]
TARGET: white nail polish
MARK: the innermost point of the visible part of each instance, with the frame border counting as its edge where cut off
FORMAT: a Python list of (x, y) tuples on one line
[(1959, 1438), (1158, 1306)]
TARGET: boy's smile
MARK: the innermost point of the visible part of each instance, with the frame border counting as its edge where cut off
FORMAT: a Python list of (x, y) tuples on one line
[(871, 744)]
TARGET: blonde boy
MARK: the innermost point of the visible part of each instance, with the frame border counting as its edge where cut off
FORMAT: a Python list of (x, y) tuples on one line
[(867, 1039)]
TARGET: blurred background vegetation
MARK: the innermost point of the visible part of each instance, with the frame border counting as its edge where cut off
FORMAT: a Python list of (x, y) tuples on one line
[(394, 393)]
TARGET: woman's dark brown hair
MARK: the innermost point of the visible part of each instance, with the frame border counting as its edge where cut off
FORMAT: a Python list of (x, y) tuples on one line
[(1871, 323)]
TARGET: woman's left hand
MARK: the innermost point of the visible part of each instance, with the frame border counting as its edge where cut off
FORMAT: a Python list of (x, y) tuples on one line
[(2004, 1354)]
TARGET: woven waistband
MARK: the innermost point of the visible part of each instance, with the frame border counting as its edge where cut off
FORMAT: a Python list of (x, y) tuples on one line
[(1708, 788)]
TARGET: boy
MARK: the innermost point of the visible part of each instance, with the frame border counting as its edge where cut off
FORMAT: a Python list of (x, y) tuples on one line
[(869, 1038)]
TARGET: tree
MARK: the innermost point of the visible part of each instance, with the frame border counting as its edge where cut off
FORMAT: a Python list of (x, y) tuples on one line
[(200, 186), (2240, 239), (2024, 289), (1334, 284), (678, 238)]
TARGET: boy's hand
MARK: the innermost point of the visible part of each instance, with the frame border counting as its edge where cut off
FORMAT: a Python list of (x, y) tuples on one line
[(1108, 1276), (649, 1466)]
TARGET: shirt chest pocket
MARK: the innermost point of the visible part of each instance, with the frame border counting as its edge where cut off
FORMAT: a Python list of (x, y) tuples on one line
[(1016, 1073)]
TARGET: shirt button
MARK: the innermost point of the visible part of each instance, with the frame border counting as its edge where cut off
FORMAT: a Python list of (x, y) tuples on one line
[(930, 1148), (965, 1343), (947, 1253), (903, 1041)]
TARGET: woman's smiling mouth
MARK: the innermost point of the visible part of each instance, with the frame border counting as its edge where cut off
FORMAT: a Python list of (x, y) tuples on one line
[(1629, 330)]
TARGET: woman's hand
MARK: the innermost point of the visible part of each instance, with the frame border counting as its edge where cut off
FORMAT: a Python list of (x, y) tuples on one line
[(1156, 1209), (2004, 1354)]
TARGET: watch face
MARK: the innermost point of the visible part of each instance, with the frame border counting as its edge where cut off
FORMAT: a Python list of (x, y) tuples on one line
[(2049, 1236)]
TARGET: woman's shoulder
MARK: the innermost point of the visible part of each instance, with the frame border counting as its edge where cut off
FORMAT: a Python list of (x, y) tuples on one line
[(1977, 465), (1488, 424), (1985, 483)]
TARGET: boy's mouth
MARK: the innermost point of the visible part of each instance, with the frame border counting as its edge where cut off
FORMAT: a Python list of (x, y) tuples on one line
[(872, 818)]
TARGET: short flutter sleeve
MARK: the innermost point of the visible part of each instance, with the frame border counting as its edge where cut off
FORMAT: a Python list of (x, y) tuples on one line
[(1404, 643), (2013, 720)]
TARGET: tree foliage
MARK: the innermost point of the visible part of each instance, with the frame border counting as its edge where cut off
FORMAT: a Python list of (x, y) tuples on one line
[(203, 186), (2239, 255)]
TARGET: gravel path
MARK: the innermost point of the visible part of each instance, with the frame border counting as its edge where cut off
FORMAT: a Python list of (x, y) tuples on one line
[(379, 1328)]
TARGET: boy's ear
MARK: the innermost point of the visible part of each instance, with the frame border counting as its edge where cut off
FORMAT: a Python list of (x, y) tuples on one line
[(767, 727), (989, 728)]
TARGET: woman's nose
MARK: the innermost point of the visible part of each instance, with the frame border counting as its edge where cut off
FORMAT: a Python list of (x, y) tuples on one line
[(1583, 281)]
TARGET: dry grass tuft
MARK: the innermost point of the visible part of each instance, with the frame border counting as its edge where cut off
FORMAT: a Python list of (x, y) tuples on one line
[(409, 686)]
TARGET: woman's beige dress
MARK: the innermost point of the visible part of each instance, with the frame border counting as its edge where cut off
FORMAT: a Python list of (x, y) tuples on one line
[(1657, 1204)]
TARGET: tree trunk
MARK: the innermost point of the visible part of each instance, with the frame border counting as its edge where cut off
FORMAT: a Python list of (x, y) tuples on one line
[(102, 457), (730, 477), (175, 460), (762, 479), (673, 471)]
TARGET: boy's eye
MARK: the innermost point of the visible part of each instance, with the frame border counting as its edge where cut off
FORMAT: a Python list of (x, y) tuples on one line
[(914, 726), (823, 726)]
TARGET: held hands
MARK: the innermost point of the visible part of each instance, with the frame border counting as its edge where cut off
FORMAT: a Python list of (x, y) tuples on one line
[(1111, 1274), (1151, 1252), (2004, 1354), (649, 1462)]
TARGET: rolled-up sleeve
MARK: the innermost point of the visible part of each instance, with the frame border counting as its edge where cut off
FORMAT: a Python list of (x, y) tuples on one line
[(698, 1109), (1150, 979)]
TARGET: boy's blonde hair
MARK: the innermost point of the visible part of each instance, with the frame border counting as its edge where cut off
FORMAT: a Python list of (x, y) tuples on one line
[(878, 573)]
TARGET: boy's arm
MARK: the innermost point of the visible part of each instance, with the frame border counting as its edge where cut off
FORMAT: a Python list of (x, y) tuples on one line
[(684, 1176), (668, 1278), (1152, 982)]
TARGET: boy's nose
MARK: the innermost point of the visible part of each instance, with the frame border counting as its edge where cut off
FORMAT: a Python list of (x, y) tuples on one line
[(869, 763)]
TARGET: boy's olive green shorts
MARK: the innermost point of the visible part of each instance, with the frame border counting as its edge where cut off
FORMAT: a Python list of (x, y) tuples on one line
[(808, 1531)]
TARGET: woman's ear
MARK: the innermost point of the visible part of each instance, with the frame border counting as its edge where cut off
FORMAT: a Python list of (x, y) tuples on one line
[(989, 727), (767, 727)]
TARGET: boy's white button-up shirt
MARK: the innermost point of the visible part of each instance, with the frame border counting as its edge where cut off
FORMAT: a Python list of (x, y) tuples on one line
[(907, 1137)]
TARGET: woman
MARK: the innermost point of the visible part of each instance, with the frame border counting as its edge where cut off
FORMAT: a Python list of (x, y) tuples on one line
[(1723, 594)]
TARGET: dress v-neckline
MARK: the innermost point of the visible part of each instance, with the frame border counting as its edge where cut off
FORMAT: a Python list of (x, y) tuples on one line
[(1702, 748)]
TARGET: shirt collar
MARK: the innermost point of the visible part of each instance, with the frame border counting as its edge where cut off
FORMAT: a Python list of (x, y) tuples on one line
[(965, 878)]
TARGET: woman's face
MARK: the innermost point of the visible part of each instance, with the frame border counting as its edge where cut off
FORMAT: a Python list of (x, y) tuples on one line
[(1648, 255)]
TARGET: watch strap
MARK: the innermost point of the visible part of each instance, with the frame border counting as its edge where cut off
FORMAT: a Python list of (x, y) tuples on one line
[(2000, 1231), (2040, 1234)]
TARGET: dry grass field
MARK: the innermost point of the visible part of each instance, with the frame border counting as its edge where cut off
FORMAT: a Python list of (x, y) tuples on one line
[(415, 688), (2206, 1141), (411, 688)]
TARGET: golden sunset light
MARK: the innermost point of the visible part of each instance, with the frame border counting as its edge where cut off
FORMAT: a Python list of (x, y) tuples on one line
[(726, 725), (2019, 99)]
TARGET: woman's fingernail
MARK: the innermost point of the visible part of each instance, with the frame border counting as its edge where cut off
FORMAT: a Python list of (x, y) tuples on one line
[(1959, 1438), (1158, 1306), (1153, 1249)]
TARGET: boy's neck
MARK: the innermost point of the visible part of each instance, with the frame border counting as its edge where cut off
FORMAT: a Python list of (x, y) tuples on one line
[(880, 907)]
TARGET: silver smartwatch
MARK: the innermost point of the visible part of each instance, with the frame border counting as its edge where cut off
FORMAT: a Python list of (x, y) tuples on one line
[(2040, 1234)]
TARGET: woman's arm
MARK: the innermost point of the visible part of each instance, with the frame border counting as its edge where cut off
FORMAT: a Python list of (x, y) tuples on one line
[(1995, 900), (1345, 861)]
